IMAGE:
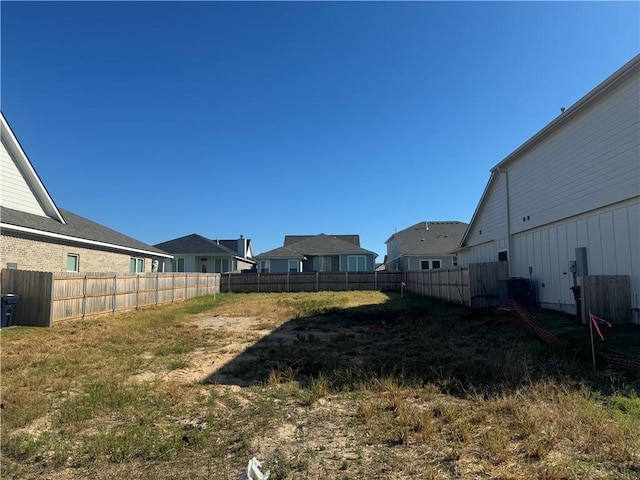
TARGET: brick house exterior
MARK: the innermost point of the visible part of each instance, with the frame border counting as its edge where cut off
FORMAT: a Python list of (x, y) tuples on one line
[(37, 235), (30, 253)]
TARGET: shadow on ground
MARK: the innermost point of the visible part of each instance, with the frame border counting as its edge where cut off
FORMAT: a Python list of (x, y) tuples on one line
[(412, 340)]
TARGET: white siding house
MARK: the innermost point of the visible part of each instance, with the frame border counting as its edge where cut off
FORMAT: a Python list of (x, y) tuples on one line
[(576, 183), (37, 235)]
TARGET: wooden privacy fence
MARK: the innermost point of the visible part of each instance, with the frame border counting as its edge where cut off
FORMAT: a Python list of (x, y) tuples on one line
[(48, 296), (475, 285), (311, 281), (606, 296)]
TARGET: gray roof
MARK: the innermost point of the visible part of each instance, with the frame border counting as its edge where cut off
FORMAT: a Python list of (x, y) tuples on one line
[(76, 227), (196, 244), (281, 252), (429, 238), (318, 245), (291, 239)]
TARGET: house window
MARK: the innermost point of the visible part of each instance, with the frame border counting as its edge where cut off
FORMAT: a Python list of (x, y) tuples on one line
[(454, 259), (204, 268), (503, 256), (321, 264), (430, 264), (73, 262), (221, 265), (177, 264), (265, 266), (136, 265), (294, 266), (356, 263)]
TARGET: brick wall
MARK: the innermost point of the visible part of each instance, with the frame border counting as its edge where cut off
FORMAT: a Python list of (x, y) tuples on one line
[(30, 253)]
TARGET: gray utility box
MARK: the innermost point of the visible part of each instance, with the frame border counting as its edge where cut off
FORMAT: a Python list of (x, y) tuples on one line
[(9, 302)]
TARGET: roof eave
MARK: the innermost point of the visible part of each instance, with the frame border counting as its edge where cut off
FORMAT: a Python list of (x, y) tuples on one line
[(626, 70), (31, 175), (59, 236)]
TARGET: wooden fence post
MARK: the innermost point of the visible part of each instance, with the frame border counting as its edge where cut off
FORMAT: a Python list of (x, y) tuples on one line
[(84, 296), (115, 293)]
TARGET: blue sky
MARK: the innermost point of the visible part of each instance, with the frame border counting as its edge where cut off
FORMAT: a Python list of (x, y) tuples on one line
[(161, 119)]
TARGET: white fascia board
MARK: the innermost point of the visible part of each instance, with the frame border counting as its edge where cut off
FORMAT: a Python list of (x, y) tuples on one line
[(27, 169), (476, 213), (58, 236), (246, 260)]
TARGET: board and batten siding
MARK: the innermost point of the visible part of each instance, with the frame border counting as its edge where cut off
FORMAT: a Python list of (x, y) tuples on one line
[(14, 189), (575, 184), (591, 161), (611, 236)]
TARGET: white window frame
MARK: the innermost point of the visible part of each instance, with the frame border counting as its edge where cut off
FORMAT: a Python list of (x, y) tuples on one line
[(176, 264), (357, 260), (265, 266), (454, 260), (219, 264), (503, 251), (295, 268), (430, 264), (77, 260), (137, 263)]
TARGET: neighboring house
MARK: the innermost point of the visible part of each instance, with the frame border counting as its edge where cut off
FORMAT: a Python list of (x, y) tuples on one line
[(195, 253), (576, 183), (318, 253), (37, 235), (425, 246)]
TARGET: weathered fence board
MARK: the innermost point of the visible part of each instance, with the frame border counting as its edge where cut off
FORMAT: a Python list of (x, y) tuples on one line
[(35, 294), (81, 295), (606, 296), (311, 281), (471, 285), (45, 296)]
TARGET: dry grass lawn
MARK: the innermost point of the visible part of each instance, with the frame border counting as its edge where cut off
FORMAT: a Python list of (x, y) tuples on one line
[(343, 385)]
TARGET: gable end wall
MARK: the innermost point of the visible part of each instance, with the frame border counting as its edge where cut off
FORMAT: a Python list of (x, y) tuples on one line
[(591, 162)]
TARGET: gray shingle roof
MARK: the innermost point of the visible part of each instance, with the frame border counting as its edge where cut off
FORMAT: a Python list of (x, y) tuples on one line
[(76, 227), (280, 252), (430, 237), (195, 244), (318, 245), (291, 239)]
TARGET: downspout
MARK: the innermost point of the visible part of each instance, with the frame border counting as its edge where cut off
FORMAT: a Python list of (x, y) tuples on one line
[(506, 180)]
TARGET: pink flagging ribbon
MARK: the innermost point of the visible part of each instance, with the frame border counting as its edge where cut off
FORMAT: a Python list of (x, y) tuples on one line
[(595, 320)]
